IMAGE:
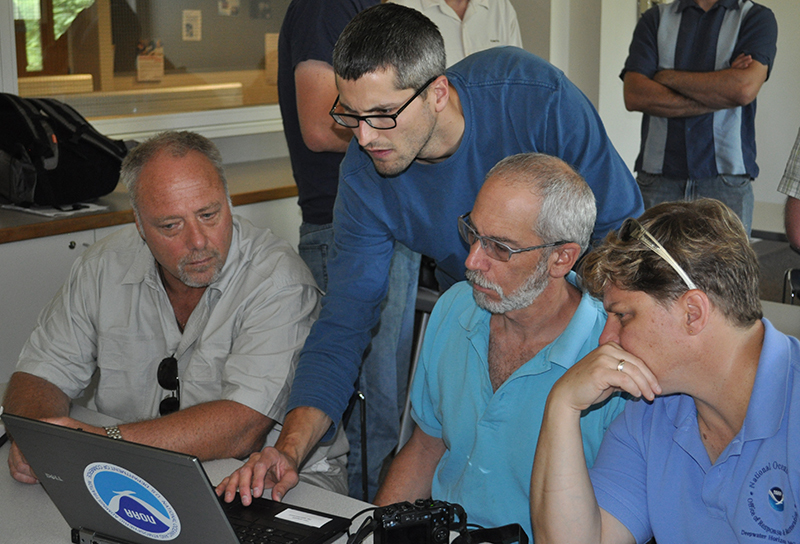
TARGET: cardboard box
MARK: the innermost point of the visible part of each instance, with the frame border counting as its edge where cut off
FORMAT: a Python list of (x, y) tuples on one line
[(271, 57)]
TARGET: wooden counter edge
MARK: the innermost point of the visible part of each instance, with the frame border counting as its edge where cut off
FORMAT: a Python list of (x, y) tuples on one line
[(120, 217)]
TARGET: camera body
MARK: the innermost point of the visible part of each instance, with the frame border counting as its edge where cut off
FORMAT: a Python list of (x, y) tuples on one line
[(424, 522)]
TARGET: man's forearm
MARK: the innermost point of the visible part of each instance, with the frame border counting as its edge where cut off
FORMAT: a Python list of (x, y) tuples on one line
[(717, 90), (315, 86), (411, 474), (792, 221), (563, 505), (212, 430), (647, 96), (30, 396), (302, 430)]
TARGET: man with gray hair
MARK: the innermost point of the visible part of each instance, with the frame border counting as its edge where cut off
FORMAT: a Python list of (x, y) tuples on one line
[(191, 320), (497, 343)]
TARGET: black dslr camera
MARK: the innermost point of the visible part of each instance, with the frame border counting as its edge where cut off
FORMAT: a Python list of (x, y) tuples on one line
[(424, 522)]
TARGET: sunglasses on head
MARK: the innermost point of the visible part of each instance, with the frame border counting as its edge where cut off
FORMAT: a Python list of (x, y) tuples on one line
[(632, 229)]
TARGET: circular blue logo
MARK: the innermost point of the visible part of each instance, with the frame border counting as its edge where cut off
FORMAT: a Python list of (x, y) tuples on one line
[(776, 498), (132, 501)]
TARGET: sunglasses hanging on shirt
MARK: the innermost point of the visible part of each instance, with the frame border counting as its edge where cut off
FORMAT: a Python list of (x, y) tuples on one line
[(168, 379)]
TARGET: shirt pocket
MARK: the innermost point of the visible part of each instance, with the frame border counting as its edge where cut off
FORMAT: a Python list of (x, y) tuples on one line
[(128, 386)]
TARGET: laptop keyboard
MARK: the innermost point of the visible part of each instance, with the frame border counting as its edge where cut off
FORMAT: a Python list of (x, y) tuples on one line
[(259, 534), (256, 525)]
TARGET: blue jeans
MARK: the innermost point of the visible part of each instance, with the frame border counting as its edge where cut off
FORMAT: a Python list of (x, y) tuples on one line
[(385, 366), (734, 191)]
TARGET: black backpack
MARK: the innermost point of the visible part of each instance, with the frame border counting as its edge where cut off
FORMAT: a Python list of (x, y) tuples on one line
[(51, 156)]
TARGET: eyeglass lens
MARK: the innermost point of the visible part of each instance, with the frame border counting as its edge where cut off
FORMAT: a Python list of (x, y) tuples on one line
[(492, 248), (167, 375), (380, 122)]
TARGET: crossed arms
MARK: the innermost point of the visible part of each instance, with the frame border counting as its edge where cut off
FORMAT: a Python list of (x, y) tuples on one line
[(676, 93)]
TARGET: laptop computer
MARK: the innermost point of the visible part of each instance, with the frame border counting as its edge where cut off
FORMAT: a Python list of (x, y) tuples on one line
[(117, 492)]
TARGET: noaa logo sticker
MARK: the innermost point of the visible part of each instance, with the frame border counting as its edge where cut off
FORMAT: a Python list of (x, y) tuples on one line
[(776, 498), (132, 501)]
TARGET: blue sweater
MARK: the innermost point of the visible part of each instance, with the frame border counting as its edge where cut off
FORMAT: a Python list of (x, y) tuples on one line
[(513, 102)]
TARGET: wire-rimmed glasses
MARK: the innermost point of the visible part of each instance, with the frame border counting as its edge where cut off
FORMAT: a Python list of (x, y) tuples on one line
[(494, 249)]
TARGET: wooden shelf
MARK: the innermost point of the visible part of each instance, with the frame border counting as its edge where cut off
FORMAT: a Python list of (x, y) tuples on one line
[(248, 183)]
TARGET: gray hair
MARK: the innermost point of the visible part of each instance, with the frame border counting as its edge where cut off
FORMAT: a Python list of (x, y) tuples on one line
[(390, 36), (568, 208), (178, 144)]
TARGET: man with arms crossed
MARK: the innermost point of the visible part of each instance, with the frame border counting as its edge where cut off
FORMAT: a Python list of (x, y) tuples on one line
[(695, 68), (192, 314), (710, 453), (423, 144), (496, 345)]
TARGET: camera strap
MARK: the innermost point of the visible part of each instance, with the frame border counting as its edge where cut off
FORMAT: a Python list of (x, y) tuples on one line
[(507, 534)]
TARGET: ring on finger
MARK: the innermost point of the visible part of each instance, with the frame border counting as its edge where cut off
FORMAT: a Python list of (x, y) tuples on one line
[(621, 365)]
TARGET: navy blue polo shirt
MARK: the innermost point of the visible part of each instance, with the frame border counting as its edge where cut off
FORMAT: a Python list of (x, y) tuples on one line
[(681, 36), (309, 31)]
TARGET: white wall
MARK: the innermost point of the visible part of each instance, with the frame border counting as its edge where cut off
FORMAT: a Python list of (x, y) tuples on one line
[(617, 21), (534, 25), (778, 112)]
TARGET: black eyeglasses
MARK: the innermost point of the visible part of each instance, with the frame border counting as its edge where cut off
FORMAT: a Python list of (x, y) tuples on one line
[(494, 249), (168, 379), (631, 228), (380, 122)]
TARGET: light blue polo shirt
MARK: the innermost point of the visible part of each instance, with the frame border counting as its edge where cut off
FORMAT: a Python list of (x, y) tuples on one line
[(654, 474), (491, 437)]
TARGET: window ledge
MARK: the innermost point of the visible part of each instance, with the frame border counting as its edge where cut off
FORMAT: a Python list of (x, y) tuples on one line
[(211, 124)]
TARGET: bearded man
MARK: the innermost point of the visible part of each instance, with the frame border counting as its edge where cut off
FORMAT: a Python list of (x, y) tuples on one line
[(497, 343)]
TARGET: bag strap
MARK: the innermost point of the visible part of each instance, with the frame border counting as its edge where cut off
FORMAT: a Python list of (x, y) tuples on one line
[(79, 127), (507, 534), (46, 140)]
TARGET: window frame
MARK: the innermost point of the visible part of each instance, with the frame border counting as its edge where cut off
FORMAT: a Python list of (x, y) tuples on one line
[(242, 121)]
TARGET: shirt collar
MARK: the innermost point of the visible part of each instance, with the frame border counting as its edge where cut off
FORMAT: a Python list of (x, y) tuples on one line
[(565, 350), (770, 388), (765, 410), (727, 4), (426, 4)]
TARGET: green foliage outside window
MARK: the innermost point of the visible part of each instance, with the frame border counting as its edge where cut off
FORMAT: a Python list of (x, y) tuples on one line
[(64, 12)]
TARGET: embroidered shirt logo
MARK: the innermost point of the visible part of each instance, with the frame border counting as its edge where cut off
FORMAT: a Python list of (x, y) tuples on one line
[(769, 485), (776, 498), (132, 501)]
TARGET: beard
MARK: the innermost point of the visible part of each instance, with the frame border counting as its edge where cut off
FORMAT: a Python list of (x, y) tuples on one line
[(204, 276), (521, 298)]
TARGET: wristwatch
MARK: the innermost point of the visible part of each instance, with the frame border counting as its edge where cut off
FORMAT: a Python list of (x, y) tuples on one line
[(113, 432)]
